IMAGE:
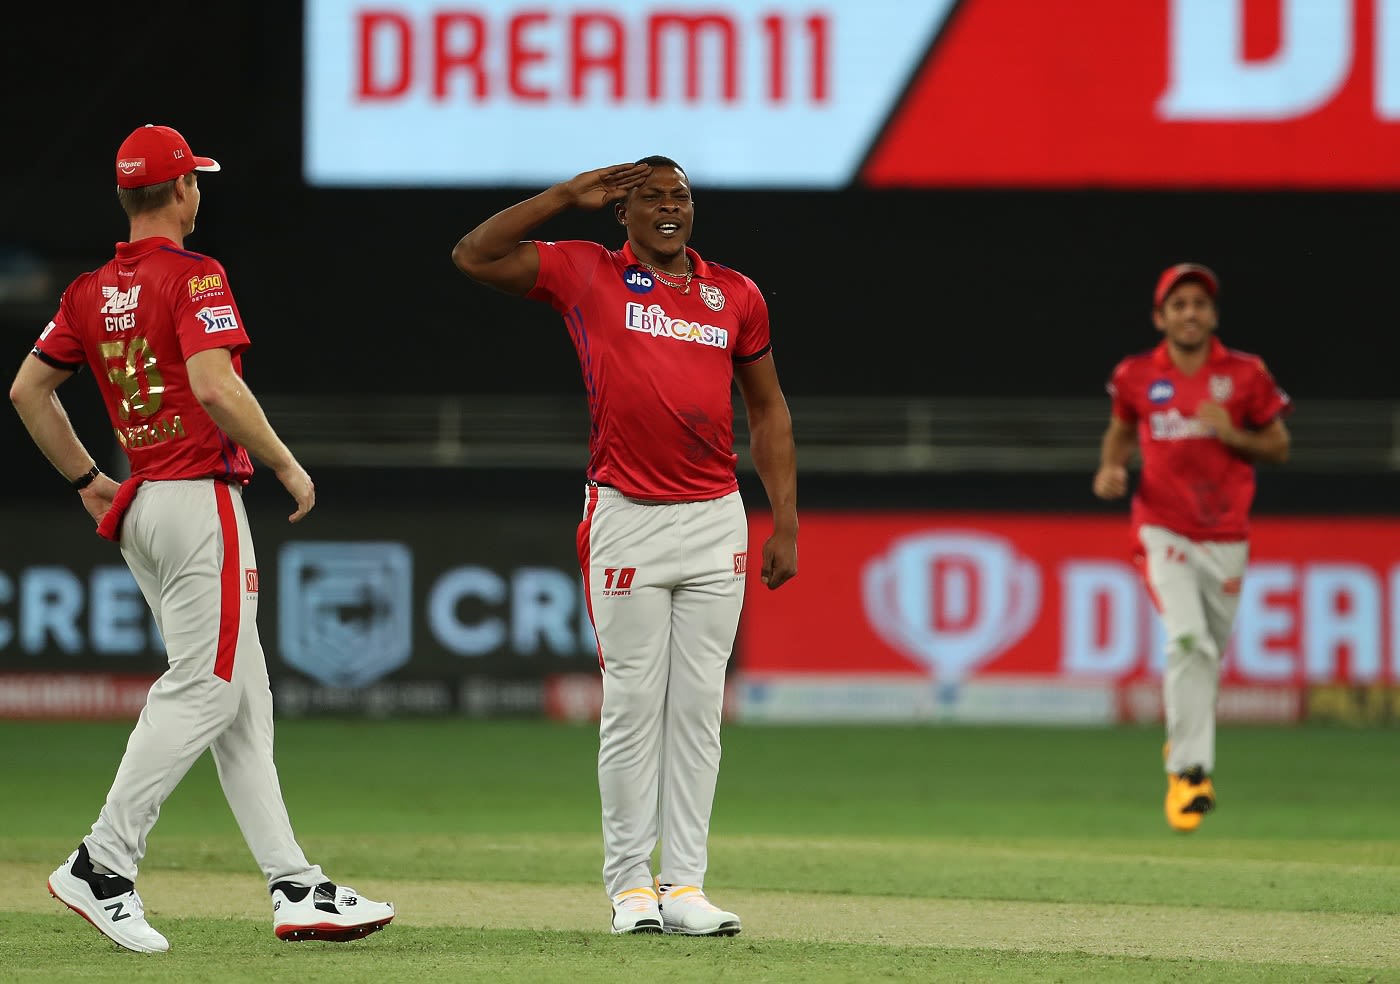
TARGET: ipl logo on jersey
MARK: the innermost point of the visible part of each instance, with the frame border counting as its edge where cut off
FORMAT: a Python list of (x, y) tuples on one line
[(219, 318), (637, 281), (953, 601)]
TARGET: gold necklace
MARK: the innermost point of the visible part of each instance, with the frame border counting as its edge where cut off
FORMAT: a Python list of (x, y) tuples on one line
[(683, 285)]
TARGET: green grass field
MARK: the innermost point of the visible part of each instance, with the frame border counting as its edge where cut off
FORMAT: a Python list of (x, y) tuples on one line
[(852, 853)]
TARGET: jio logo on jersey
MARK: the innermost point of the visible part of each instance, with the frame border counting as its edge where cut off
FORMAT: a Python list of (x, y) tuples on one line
[(637, 280), (952, 601), (1160, 391)]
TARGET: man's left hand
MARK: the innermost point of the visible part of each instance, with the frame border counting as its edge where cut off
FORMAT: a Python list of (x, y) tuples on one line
[(779, 559), (97, 497)]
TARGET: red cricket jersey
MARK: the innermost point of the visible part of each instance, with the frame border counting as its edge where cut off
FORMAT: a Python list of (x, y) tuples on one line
[(1191, 483), (658, 366), (134, 322)]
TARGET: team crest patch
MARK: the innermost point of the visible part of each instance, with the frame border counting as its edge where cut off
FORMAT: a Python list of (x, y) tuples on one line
[(1221, 388), (712, 297)]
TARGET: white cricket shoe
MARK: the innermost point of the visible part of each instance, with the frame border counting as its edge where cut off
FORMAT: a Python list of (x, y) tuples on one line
[(332, 912), (636, 911), (109, 902), (685, 910)]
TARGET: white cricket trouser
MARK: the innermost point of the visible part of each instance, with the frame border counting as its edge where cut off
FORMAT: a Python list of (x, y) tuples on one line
[(1196, 587), (188, 545), (665, 586)]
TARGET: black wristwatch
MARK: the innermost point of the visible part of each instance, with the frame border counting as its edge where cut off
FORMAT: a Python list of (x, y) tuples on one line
[(87, 478)]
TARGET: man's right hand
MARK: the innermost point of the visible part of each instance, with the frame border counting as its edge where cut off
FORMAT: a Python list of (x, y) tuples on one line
[(1111, 481), (594, 189), (295, 480)]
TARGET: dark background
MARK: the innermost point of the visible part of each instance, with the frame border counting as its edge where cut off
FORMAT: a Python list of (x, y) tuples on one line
[(953, 292)]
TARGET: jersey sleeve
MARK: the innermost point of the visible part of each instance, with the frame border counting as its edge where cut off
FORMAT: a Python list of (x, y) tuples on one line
[(755, 340), (566, 268), (206, 316), (1120, 391), (1268, 401), (59, 344)]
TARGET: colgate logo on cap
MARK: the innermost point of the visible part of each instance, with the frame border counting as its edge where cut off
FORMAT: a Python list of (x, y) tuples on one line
[(132, 165)]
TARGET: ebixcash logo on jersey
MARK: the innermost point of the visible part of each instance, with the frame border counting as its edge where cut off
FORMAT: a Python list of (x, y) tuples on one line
[(654, 321)]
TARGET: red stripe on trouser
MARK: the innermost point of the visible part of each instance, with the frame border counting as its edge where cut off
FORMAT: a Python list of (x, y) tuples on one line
[(230, 585), (585, 528), (1145, 569)]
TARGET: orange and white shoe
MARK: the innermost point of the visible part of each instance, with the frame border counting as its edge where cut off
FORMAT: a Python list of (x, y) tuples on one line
[(685, 910), (636, 911), (1190, 796)]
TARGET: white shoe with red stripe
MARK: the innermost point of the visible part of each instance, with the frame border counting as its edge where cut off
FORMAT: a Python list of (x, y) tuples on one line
[(109, 902), (331, 912)]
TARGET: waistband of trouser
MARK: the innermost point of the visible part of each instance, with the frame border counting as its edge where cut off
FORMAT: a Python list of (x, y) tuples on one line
[(608, 492)]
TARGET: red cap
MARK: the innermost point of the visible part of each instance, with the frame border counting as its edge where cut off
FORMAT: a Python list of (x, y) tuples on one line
[(153, 154), (1172, 276)]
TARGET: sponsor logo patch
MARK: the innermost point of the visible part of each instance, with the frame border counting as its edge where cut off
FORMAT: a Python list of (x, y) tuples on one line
[(209, 283), (1160, 391), (638, 281), (654, 321), (219, 318), (617, 581), (250, 580), (1172, 426), (741, 564), (119, 301)]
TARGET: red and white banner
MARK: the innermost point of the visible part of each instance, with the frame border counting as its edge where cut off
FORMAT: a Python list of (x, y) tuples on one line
[(888, 93), (908, 607), (500, 92), (91, 696), (1153, 93)]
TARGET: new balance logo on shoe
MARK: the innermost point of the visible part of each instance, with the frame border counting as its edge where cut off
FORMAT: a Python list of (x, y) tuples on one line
[(108, 902), (331, 912)]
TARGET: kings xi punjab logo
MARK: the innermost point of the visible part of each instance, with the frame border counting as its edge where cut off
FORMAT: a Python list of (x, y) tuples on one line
[(952, 601)]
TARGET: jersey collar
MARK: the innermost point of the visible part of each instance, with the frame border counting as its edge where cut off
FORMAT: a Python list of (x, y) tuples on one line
[(1163, 358), (144, 246), (701, 269)]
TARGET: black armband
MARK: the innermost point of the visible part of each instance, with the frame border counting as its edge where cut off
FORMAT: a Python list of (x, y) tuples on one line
[(86, 479)]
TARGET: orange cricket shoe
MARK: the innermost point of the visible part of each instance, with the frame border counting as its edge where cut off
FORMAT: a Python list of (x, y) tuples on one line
[(1190, 796)]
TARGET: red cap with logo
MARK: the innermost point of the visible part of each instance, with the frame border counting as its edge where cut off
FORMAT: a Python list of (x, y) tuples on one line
[(153, 154), (1172, 276)]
